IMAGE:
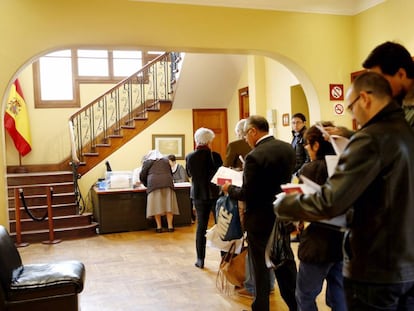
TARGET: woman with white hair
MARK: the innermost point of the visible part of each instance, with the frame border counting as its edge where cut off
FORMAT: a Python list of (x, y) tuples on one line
[(156, 175), (201, 165)]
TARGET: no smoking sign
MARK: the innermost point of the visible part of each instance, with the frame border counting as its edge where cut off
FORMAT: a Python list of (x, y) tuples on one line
[(339, 109), (336, 91)]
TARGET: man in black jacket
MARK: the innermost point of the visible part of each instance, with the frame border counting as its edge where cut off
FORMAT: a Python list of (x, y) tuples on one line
[(375, 178), (266, 167), (395, 63)]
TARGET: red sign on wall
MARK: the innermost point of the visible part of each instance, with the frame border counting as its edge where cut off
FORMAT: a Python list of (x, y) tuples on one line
[(336, 91)]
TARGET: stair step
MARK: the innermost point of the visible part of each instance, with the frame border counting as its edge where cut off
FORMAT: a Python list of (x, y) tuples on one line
[(75, 232), (38, 178), (153, 109), (91, 154), (41, 200), (41, 188), (58, 222), (40, 211), (128, 127)]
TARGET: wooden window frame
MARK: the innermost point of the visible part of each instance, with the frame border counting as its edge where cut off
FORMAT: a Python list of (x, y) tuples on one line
[(77, 80)]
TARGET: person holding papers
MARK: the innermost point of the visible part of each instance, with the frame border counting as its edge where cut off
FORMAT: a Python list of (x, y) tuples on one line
[(374, 178), (320, 248), (266, 167)]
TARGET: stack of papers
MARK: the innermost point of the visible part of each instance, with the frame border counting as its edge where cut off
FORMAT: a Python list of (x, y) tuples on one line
[(224, 174)]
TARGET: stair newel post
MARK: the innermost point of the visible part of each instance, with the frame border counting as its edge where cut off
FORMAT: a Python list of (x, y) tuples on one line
[(52, 240), (17, 217)]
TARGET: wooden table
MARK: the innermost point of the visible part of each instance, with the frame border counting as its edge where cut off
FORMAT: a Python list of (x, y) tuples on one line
[(118, 210)]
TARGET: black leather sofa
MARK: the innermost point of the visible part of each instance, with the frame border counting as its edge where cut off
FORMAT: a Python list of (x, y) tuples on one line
[(44, 287)]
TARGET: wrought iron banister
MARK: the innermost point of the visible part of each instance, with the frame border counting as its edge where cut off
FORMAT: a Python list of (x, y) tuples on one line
[(129, 100)]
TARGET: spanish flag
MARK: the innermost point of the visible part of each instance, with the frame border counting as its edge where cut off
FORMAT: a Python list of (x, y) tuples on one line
[(16, 120)]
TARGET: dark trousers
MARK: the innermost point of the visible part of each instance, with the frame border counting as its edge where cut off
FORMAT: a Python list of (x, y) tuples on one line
[(203, 210), (286, 279), (256, 247), (376, 297), (285, 274)]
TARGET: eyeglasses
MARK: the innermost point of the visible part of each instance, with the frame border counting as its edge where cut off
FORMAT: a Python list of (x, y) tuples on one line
[(351, 105), (247, 131)]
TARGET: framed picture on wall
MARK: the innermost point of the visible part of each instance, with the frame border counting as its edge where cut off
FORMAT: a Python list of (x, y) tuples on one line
[(285, 119), (169, 144)]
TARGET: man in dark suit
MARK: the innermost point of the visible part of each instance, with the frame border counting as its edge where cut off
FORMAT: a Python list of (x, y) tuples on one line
[(236, 149), (267, 166)]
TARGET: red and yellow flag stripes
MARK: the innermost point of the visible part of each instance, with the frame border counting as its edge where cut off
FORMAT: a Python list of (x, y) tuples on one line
[(16, 120)]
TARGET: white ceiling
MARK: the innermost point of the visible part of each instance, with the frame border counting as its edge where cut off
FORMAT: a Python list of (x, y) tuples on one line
[(208, 80), (339, 7)]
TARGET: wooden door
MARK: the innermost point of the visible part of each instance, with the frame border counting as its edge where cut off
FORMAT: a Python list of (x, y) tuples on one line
[(244, 110), (216, 120)]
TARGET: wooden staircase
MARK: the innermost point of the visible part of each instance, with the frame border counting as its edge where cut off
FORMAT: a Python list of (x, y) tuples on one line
[(68, 223), (105, 146), (97, 130)]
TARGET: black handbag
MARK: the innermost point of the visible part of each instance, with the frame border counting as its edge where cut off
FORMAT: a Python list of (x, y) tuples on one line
[(278, 249)]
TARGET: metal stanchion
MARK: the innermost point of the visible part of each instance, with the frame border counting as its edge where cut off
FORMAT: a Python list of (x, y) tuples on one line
[(17, 218), (52, 239)]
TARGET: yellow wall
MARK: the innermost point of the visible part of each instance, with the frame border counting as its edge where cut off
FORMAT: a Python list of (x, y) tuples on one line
[(391, 21), (318, 49)]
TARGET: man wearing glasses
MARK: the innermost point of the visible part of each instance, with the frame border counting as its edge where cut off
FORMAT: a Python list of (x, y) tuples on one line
[(374, 178), (267, 166), (298, 123)]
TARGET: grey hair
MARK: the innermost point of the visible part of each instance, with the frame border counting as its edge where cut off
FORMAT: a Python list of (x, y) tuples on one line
[(239, 129), (203, 136)]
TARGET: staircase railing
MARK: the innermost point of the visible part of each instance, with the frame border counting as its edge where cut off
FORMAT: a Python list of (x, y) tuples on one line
[(129, 100)]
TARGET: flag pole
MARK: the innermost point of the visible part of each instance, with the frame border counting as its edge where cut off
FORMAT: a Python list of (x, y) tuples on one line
[(21, 168)]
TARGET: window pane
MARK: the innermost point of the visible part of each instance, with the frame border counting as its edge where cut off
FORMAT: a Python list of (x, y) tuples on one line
[(126, 67), (93, 67), (126, 62), (156, 52), (127, 54), (56, 76), (93, 63)]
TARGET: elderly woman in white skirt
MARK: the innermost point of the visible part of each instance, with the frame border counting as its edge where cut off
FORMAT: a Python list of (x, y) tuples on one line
[(156, 175)]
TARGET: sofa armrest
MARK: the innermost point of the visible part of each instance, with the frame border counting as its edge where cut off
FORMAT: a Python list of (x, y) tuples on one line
[(44, 276)]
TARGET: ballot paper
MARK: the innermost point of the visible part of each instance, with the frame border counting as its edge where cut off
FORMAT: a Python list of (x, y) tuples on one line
[(224, 174), (339, 143), (309, 187)]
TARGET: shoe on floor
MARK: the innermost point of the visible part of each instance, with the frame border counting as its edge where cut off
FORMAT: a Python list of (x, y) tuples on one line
[(170, 229), (199, 263), (158, 230), (245, 293)]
